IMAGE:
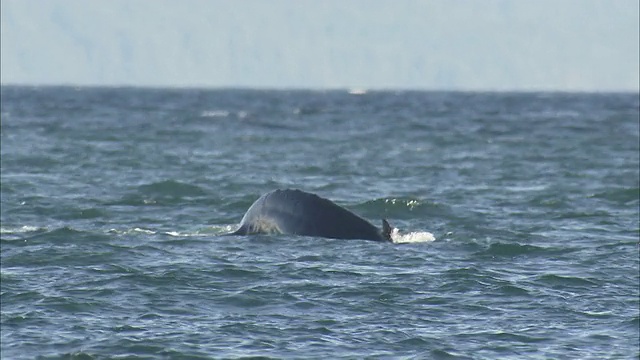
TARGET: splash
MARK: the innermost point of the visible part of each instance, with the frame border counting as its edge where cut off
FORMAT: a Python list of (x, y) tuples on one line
[(412, 237), (408, 203)]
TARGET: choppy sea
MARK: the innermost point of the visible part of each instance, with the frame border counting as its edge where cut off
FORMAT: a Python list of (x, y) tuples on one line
[(519, 215)]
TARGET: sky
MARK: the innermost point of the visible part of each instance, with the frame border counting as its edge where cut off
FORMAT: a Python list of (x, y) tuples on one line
[(488, 45)]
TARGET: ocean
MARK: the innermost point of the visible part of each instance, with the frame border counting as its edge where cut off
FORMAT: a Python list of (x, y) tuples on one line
[(518, 218)]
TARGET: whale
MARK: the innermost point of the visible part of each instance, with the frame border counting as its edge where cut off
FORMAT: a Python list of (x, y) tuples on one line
[(296, 212)]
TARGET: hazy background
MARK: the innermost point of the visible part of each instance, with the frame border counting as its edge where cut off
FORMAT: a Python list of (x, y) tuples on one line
[(569, 45)]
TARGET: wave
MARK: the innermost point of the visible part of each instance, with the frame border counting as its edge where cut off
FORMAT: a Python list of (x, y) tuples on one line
[(171, 188), (563, 281), (167, 192), (66, 234), (502, 249), (625, 196), (31, 234)]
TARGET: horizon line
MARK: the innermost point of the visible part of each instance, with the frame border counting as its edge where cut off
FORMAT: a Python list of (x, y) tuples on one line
[(354, 90)]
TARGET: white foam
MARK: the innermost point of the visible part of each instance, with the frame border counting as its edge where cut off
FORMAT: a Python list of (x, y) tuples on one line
[(19, 230), (412, 237), (184, 234), (145, 231), (214, 113), (131, 231), (214, 230)]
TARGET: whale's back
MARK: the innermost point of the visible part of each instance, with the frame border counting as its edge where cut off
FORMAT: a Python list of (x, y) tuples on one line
[(302, 213)]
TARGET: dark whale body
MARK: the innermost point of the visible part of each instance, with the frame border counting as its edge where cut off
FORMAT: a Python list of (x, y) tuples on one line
[(301, 213)]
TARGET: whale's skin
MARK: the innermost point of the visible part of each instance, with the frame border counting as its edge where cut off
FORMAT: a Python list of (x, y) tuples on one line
[(296, 212)]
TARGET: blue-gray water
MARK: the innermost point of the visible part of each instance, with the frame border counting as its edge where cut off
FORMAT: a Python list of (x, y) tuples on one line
[(113, 200)]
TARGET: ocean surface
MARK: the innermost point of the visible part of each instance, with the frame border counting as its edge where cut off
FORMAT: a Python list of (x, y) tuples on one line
[(518, 218)]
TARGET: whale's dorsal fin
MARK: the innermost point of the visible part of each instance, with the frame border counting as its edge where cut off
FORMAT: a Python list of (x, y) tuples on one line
[(386, 230)]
